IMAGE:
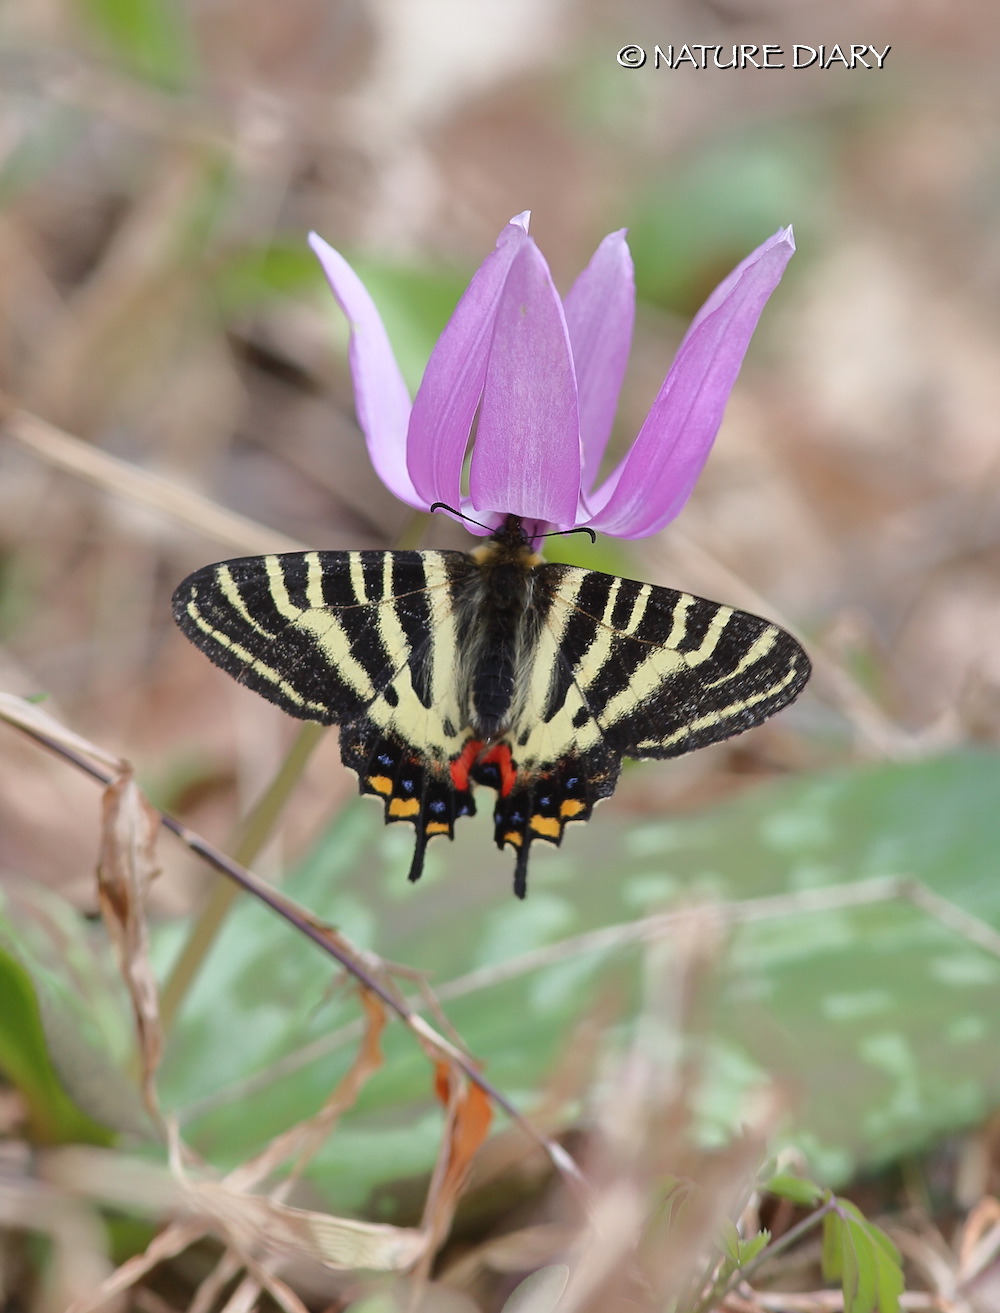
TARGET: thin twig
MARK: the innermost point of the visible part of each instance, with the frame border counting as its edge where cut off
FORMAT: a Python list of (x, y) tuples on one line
[(65, 452)]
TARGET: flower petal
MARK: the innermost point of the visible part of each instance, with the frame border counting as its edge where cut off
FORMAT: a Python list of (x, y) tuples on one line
[(600, 314), (655, 479), (526, 457), (381, 398), (446, 401)]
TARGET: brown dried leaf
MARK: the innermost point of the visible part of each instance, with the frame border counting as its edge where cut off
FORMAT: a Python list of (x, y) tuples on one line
[(125, 870), (467, 1125)]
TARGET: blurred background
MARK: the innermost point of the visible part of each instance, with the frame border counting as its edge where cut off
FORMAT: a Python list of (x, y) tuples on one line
[(160, 166)]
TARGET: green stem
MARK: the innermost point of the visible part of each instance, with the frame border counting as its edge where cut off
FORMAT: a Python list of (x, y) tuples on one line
[(252, 834)]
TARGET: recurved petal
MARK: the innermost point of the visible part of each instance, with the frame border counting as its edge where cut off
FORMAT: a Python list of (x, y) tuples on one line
[(526, 458), (600, 314), (381, 398), (654, 480), (446, 401)]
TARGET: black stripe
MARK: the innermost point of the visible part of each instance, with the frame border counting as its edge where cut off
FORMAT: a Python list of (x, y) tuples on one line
[(621, 613), (697, 622), (295, 577)]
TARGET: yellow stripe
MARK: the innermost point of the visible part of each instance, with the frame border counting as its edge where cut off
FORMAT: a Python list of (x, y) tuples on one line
[(357, 572), (253, 663), (753, 654), (279, 592), (229, 590), (722, 713), (711, 640), (314, 580)]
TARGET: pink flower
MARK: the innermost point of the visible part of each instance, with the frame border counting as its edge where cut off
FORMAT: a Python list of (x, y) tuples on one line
[(543, 375)]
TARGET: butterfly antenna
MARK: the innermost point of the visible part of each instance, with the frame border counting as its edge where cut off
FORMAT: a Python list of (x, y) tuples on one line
[(564, 533), (554, 533), (443, 506)]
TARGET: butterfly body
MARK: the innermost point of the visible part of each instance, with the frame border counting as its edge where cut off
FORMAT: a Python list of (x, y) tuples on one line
[(445, 671)]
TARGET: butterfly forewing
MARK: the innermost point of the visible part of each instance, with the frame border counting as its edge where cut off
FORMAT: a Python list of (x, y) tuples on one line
[(660, 672), (322, 634)]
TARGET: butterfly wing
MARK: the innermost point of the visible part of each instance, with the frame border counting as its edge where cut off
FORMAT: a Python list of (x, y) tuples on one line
[(625, 669), (364, 640)]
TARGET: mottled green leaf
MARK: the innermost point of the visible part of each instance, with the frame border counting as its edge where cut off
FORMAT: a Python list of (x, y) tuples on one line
[(883, 1023)]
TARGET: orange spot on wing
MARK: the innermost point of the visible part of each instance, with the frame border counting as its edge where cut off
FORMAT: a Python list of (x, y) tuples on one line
[(402, 807), (436, 827), (571, 807), (515, 837), (548, 826), (380, 783)]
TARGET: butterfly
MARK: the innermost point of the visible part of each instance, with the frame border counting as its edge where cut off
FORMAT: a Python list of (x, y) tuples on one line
[(447, 670)]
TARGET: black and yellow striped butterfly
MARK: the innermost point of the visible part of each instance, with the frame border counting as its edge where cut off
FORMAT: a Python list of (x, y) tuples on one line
[(446, 670)]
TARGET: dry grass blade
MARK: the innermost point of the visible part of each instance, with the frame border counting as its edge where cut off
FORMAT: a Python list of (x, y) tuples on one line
[(253, 1226), (648, 1238), (31, 718), (65, 452), (304, 1140), (77, 1236), (875, 730), (125, 870)]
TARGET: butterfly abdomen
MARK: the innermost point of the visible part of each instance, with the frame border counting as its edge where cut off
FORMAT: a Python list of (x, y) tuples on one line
[(498, 625)]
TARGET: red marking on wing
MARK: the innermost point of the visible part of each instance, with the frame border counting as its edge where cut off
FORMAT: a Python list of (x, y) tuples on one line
[(500, 757), (464, 763)]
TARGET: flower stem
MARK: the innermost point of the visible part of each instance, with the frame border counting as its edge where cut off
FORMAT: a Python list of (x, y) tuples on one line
[(250, 837)]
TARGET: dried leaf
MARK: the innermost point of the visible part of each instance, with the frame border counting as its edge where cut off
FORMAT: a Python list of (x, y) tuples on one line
[(125, 870), (467, 1125)]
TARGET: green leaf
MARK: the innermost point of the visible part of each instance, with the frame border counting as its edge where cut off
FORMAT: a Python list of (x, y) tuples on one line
[(151, 38), (863, 1259), (62, 1026), (796, 1188), (749, 1249), (738, 1251)]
